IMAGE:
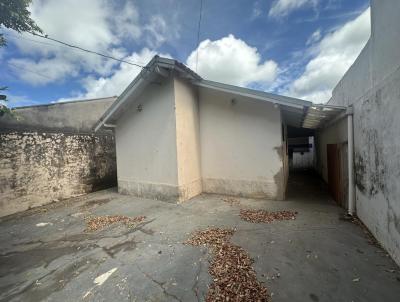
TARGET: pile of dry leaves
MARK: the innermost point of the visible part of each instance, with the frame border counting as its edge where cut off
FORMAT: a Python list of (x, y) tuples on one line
[(231, 268), (99, 222), (257, 216)]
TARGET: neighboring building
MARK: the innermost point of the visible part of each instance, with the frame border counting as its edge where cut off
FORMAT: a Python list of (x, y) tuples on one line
[(49, 152), (372, 88), (74, 116), (178, 135)]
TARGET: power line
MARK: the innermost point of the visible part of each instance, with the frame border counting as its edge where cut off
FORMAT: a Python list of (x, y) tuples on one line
[(29, 70), (54, 44), (87, 50), (198, 34), (31, 40)]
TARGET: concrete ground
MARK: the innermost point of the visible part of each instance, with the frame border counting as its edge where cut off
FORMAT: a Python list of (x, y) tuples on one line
[(317, 257)]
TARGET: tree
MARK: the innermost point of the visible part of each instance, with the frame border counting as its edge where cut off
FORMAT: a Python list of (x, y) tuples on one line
[(14, 14)]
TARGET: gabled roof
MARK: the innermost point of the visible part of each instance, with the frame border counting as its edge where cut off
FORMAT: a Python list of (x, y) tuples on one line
[(295, 112), (157, 66)]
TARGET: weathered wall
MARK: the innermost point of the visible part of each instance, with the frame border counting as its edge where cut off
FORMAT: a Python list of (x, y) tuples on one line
[(38, 168), (75, 116), (146, 145), (187, 139), (376, 104), (241, 146)]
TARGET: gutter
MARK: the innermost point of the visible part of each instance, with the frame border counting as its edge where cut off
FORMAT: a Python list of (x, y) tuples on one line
[(350, 160)]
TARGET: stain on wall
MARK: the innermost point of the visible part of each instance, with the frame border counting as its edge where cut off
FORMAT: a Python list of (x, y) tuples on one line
[(37, 168)]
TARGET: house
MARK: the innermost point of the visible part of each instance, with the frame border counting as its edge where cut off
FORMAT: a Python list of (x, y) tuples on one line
[(178, 135)]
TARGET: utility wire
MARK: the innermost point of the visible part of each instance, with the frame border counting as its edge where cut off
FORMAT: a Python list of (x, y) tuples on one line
[(53, 44), (87, 50), (29, 70), (20, 37), (198, 33)]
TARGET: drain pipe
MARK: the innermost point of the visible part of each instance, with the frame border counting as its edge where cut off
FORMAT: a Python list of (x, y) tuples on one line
[(350, 159)]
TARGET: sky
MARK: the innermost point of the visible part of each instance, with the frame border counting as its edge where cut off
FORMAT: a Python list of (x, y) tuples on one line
[(299, 48)]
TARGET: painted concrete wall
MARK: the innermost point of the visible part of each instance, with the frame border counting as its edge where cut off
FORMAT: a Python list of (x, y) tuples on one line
[(241, 146), (376, 104), (76, 116), (334, 134), (187, 139), (146, 145), (38, 168)]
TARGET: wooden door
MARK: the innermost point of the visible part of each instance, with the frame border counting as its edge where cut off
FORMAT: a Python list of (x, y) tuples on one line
[(333, 157)]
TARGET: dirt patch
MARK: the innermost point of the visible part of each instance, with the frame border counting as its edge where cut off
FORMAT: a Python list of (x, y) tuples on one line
[(95, 202), (371, 238), (262, 216), (231, 201), (231, 268), (100, 222)]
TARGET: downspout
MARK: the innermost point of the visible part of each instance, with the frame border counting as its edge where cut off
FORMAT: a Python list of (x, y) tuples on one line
[(350, 159)]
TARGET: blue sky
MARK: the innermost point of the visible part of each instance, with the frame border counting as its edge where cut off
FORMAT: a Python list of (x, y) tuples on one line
[(299, 48)]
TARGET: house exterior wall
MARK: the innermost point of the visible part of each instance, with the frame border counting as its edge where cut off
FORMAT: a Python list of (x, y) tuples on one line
[(333, 134), (146, 145), (187, 139), (241, 146), (372, 87)]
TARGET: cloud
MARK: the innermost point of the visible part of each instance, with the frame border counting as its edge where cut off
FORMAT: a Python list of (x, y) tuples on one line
[(95, 87), (282, 8), (332, 57), (158, 31), (43, 71), (15, 100), (231, 60), (257, 11), (103, 26), (314, 38), (92, 24)]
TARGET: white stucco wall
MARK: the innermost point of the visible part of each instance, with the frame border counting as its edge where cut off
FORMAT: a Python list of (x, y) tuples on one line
[(146, 145), (187, 139), (376, 105), (241, 146)]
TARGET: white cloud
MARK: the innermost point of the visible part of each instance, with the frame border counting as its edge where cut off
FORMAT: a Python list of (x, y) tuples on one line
[(282, 8), (43, 71), (90, 24), (158, 31), (100, 25), (95, 87), (314, 38), (333, 56), (231, 60)]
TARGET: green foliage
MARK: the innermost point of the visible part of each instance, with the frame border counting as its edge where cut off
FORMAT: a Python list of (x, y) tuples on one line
[(3, 108), (14, 14)]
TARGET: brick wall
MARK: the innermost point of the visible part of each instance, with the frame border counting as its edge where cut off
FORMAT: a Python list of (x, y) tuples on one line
[(37, 168)]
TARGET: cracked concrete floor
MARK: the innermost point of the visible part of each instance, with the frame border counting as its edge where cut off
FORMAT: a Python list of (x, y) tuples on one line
[(45, 254)]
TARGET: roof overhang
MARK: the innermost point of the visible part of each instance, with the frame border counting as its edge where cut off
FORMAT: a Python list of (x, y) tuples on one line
[(295, 112)]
